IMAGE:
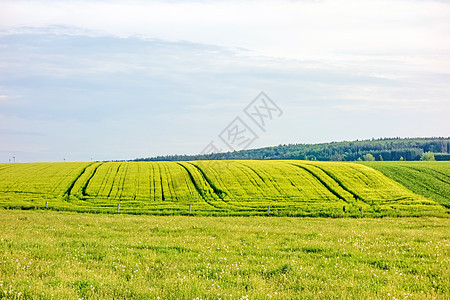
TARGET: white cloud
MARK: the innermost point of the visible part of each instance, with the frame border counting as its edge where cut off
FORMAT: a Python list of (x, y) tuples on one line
[(160, 77), (415, 31)]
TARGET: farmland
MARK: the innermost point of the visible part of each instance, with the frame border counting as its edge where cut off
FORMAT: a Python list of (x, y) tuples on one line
[(290, 188), (153, 250), (428, 178), (66, 255)]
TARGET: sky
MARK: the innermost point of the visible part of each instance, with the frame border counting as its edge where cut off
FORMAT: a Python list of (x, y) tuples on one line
[(111, 80)]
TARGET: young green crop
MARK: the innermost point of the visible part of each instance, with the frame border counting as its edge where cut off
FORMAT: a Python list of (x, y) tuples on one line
[(430, 179), (295, 188)]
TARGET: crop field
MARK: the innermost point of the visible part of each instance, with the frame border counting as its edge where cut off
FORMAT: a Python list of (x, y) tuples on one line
[(290, 188), (428, 178), (60, 253), (67, 255)]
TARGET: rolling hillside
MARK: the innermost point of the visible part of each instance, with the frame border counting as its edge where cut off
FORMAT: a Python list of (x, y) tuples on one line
[(429, 179), (298, 188)]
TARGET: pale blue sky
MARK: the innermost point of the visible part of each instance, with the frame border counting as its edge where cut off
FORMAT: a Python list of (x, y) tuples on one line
[(126, 79)]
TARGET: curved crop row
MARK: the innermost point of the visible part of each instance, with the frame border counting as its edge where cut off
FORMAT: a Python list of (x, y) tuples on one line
[(242, 187), (429, 179)]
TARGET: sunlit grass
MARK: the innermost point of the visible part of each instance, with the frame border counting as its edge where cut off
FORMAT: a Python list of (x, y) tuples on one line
[(428, 178), (46, 254), (219, 188)]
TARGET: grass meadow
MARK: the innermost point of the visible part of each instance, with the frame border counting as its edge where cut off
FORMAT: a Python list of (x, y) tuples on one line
[(64, 255)]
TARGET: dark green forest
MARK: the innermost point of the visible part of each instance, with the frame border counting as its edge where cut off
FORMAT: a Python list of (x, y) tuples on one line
[(381, 149)]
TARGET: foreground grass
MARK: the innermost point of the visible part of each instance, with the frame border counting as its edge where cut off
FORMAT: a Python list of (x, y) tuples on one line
[(45, 254)]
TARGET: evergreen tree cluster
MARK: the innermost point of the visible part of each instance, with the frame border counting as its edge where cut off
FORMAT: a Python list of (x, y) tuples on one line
[(388, 149)]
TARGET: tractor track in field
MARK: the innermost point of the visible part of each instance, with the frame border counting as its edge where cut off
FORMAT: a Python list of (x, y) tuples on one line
[(251, 179), (153, 187), (55, 187), (198, 188), (216, 190), (256, 173), (69, 189), (173, 195), (426, 186), (122, 184), (84, 187), (269, 179), (104, 181), (332, 176), (161, 183), (272, 181), (433, 172), (114, 180), (289, 179), (326, 185)]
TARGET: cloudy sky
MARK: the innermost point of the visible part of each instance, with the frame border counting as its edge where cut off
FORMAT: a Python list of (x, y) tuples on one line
[(102, 80)]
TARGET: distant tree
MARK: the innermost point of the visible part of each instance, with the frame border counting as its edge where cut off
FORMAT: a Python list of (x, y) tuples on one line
[(402, 159), (427, 156), (368, 157), (359, 159), (337, 157), (380, 158), (439, 156)]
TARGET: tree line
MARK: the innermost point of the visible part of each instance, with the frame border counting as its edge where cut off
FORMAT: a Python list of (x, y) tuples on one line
[(388, 149)]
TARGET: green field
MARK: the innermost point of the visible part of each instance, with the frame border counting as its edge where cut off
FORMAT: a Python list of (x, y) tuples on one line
[(66, 255), (428, 178), (291, 188)]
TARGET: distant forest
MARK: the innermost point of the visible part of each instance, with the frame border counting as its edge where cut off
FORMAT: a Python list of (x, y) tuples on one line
[(380, 149)]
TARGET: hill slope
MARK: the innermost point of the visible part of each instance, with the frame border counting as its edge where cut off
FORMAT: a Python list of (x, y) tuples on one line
[(211, 187), (429, 179)]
